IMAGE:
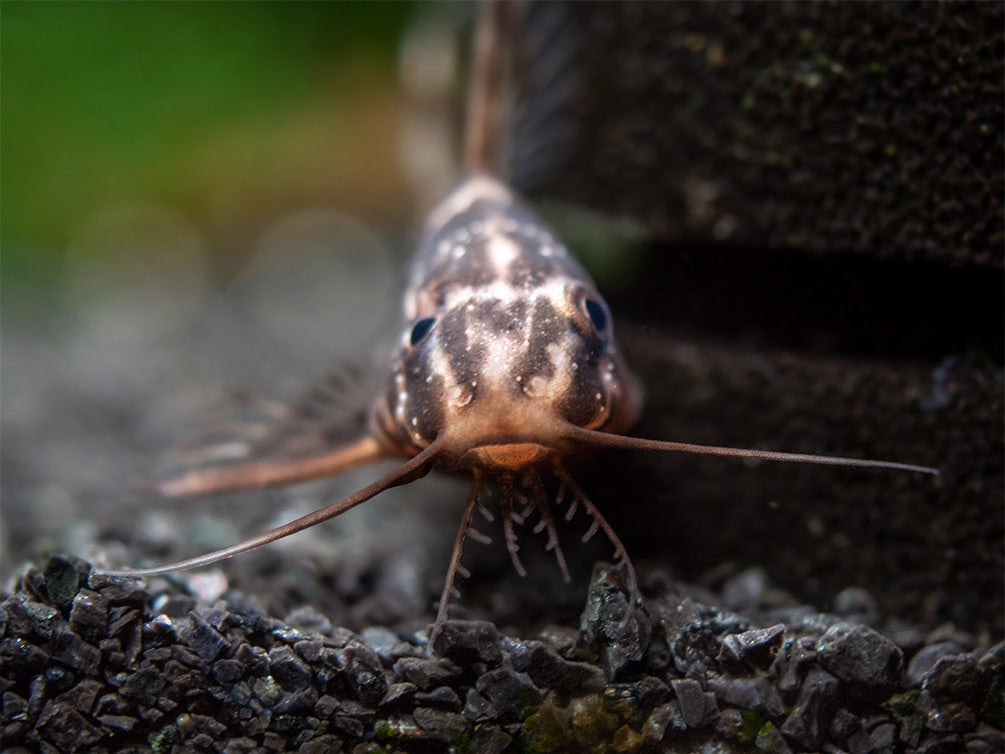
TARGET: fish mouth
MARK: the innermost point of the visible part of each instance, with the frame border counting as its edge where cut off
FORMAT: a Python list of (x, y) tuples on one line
[(510, 456)]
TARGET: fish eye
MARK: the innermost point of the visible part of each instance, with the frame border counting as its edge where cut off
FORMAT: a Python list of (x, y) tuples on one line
[(597, 314), (421, 329)]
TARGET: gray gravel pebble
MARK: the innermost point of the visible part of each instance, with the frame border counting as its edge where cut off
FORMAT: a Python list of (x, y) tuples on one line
[(102, 670)]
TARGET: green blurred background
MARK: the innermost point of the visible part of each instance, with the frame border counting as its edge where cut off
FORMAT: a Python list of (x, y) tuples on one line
[(227, 113)]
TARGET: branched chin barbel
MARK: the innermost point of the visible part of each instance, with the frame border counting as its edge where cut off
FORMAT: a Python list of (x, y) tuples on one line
[(506, 365)]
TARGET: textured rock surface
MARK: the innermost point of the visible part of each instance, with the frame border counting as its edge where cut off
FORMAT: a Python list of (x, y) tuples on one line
[(823, 127), (222, 678)]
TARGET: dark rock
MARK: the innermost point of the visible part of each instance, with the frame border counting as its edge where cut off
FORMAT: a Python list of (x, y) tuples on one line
[(63, 578), (81, 696), (843, 726), (320, 745), (159, 632), (309, 619), (151, 715), (18, 623), (37, 695), (699, 643), (426, 673), (513, 694), (289, 723), (254, 660), (813, 711), (296, 702), (71, 650), (14, 722), (563, 639), (89, 615), (550, 671), (992, 664), (365, 673), (216, 617), (748, 693), (325, 707), (175, 606), (208, 725), (398, 695), (132, 641), (205, 640), (111, 653), (66, 728), (952, 717), (122, 722), (27, 618), (188, 658), (909, 711), (908, 636), (309, 649), (859, 655), (59, 679), (882, 737), (857, 605), (446, 724), (925, 659), (112, 704), (383, 641), (289, 670), (228, 671), (178, 674), (649, 692), (22, 657), (442, 697), (488, 739), (793, 662), (267, 691), (985, 740), (33, 584), (160, 654), (144, 685), (696, 706), (119, 590), (956, 678), (274, 741), (469, 641), (478, 708), (330, 670), (743, 693), (356, 710), (610, 623), (754, 649)]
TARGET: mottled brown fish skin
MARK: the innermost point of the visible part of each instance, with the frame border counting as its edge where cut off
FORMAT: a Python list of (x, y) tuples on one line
[(505, 340)]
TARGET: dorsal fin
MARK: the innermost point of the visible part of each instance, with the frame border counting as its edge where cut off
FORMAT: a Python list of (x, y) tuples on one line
[(523, 80), (490, 84)]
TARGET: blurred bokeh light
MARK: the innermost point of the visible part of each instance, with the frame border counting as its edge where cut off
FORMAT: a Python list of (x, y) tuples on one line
[(224, 116)]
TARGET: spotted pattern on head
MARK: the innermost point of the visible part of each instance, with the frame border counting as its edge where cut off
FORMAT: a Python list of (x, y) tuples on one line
[(510, 348)]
